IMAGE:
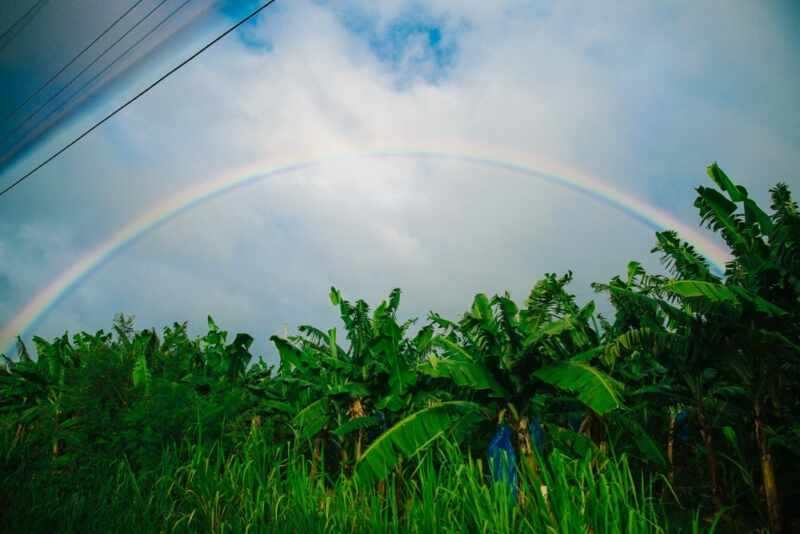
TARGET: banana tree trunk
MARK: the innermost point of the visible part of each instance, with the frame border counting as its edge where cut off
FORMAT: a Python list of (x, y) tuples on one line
[(399, 487), (528, 459), (58, 447), (525, 447), (711, 456), (255, 424), (357, 410), (593, 428), (768, 475), (359, 443), (671, 447), (316, 456)]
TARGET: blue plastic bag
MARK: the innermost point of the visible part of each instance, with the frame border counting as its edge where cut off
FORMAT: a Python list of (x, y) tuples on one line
[(682, 426), (537, 434), (574, 421), (376, 430), (503, 459)]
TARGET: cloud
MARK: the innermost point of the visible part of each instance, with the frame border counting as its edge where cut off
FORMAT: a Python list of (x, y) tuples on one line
[(643, 96)]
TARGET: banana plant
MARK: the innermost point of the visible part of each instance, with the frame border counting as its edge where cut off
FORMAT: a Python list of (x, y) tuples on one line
[(354, 389), (760, 334), (733, 336), (498, 359), (649, 325), (32, 390)]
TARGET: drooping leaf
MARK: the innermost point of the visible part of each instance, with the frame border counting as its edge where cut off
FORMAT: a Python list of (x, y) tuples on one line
[(696, 288), (452, 348), (553, 328), (411, 435), (593, 387), (289, 354), (311, 419), (718, 293), (465, 373)]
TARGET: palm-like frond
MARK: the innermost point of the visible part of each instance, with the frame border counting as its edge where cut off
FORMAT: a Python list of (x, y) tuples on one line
[(681, 258), (411, 435)]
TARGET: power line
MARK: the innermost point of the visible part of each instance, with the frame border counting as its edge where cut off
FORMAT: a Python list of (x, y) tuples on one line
[(71, 61), (10, 152), (25, 16), (87, 67), (137, 96)]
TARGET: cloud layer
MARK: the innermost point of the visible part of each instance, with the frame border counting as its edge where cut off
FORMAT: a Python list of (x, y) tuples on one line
[(643, 97)]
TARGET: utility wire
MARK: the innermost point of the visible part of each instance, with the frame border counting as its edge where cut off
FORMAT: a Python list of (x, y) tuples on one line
[(10, 152), (87, 67), (137, 96), (19, 21), (71, 61)]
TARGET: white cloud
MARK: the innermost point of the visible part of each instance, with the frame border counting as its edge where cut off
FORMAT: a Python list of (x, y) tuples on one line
[(633, 95)]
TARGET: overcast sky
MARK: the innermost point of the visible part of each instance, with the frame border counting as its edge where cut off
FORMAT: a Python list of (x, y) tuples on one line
[(639, 95)]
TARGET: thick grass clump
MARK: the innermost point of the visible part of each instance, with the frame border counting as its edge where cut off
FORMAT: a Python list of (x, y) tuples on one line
[(261, 488)]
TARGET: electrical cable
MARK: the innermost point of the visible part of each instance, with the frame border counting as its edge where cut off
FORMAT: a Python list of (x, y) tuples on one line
[(141, 93), (35, 7), (71, 61), (10, 152), (87, 67)]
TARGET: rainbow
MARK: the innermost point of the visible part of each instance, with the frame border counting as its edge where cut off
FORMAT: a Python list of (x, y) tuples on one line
[(155, 217)]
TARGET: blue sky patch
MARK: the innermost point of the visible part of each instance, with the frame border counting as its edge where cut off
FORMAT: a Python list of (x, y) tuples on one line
[(251, 33), (415, 44)]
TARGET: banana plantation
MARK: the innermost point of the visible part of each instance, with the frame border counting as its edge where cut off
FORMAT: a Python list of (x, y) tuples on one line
[(679, 412)]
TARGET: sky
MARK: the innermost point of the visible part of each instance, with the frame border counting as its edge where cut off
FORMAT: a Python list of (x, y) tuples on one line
[(407, 127)]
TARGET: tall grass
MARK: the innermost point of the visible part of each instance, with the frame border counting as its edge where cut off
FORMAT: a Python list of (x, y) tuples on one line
[(261, 488)]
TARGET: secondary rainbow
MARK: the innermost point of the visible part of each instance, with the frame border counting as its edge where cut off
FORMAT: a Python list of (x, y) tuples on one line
[(27, 317)]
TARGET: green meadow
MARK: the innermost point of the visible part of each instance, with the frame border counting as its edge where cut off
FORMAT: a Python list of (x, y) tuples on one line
[(677, 412)]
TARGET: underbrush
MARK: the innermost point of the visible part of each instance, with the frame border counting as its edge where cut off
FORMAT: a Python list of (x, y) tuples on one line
[(261, 488)]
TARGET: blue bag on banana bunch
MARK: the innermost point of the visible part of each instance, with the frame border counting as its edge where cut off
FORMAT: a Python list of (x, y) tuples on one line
[(376, 430), (537, 434), (574, 420), (503, 459), (682, 425)]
